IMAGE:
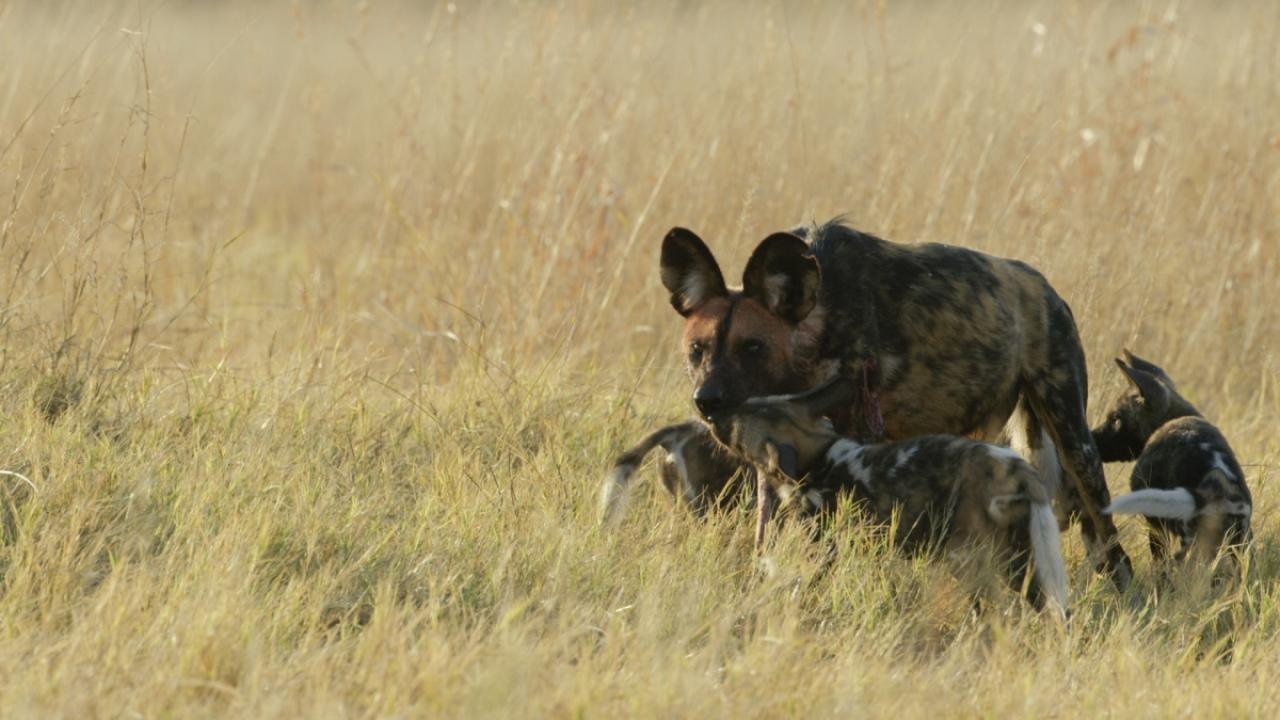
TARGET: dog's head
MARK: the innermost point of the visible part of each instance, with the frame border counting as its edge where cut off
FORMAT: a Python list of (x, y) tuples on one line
[(784, 433), (753, 341), (1151, 400)]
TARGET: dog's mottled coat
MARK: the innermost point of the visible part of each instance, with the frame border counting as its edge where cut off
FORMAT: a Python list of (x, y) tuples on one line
[(945, 339)]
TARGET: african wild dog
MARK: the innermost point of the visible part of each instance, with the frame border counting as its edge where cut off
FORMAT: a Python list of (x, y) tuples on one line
[(944, 339), (1186, 481), (944, 489), (695, 470)]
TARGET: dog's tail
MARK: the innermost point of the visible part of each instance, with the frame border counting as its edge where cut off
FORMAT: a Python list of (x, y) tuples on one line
[(615, 490), (1046, 549), (1176, 504)]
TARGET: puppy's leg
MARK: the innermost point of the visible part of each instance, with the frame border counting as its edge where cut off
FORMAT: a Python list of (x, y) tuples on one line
[(1019, 554), (1158, 539)]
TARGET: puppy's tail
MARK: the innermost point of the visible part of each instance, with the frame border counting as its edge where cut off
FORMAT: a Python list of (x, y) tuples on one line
[(615, 490), (1176, 504), (1046, 549)]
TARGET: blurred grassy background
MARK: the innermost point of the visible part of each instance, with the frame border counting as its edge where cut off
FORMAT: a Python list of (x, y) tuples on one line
[(319, 323)]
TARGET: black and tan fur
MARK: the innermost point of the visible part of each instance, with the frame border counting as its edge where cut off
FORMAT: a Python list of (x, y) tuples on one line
[(1186, 481), (695, 469), (944, 490), (945, 340)]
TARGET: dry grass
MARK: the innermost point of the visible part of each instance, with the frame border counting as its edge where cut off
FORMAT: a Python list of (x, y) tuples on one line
[(319, 324)]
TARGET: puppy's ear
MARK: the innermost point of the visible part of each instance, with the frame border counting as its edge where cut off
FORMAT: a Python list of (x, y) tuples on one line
[(783, 458), (1149, 387), (783, 276), (839, 392), (689, 271), (1147, 366)]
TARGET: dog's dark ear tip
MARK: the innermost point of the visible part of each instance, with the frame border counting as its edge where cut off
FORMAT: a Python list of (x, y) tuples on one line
[(788, 244)]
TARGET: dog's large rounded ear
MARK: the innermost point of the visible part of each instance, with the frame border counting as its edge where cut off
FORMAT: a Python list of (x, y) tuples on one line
[(783, 275), (1148, 386), (1147, 366), (689, 271), (839, 392)]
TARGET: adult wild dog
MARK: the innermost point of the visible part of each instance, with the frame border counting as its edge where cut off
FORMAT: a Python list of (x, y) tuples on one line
[(1187, 481), (698, 472), (944, 489), (945, 340)]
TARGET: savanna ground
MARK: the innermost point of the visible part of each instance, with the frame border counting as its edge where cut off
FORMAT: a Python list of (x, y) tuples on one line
[(320, 323)]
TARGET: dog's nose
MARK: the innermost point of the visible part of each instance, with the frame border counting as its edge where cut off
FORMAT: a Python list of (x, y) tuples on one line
[(708, 402)]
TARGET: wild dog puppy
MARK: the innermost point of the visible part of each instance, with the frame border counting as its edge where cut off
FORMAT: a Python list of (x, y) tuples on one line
[(1187, 481), (943, 339), (945, 489), (695, 470)]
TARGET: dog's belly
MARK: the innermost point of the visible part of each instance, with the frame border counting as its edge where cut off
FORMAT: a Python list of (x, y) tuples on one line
[(904, 420)]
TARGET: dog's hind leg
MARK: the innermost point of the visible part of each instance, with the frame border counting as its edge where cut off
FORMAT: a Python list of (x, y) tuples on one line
[(1058, 392), (1160, 538), (1088, 492)]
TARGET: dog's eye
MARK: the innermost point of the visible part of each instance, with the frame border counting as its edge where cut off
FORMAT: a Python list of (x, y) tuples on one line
[(696, 349), (752, 348)]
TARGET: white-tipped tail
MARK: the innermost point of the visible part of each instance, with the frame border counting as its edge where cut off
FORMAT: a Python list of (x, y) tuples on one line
[(1046, 548), (614, 493), (1176, 504)]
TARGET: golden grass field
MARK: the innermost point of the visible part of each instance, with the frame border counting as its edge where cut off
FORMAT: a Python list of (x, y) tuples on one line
[(320, 324)]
